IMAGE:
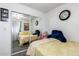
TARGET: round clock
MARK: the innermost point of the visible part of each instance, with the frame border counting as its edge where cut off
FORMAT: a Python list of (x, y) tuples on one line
[(64, 15), (36, 23)]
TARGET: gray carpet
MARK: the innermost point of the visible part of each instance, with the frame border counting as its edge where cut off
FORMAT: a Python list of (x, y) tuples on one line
[(16, 48)]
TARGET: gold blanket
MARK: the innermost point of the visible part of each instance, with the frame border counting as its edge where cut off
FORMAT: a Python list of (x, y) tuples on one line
[(53, 47), (25, 38)]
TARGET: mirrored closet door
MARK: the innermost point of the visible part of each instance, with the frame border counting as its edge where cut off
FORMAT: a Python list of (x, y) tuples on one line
[(20, 23), (23, 27)]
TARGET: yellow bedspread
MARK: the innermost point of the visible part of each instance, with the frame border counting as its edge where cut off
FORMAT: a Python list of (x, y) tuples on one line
[(53, 47), (25, 38)]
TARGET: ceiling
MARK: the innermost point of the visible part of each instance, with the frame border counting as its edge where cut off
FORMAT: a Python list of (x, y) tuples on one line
[(43, 7)]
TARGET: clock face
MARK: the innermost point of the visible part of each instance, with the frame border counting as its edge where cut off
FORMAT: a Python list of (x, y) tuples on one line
[(64, 15), (36, 23)]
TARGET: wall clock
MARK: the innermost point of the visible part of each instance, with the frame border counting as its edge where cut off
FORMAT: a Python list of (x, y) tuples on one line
[(36, 23), (64, 15)]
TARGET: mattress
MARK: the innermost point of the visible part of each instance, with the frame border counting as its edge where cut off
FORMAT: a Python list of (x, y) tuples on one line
[(53, 47)]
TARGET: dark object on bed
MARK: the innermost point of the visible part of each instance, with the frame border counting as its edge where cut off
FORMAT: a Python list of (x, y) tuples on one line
[(58, 35), (37, 32)]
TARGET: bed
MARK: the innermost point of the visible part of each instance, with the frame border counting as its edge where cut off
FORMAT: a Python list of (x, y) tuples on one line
[(24, 37), (53, 47)]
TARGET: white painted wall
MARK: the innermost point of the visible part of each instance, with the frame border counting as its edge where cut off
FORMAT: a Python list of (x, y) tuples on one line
[(5, 27), (42, 24), (34, 27), (5, 38), (69, 27)]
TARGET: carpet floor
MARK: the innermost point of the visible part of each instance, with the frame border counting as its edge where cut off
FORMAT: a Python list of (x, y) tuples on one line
[(16, 48)]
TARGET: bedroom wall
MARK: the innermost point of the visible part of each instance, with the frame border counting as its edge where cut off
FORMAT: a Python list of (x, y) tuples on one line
[(69, 27), (5, 27), (42, 24)]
